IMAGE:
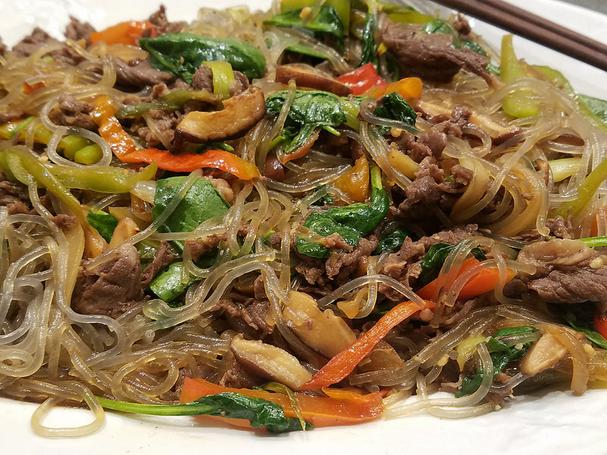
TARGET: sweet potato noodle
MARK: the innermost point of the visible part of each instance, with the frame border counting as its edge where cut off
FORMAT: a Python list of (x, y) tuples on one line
[(290, 205)]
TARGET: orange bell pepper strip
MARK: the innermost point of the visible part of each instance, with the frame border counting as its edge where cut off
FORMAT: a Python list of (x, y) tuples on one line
[(346, 408), (355, 182), (342, 364), (124, 33), (28, 89), (484, 281), (410, 88), (126, 150), (362, 79)]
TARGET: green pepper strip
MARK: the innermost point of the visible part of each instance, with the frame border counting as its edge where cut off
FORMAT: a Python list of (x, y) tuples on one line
[(20, 161), (103, 179), (586, 191), (519, 103)]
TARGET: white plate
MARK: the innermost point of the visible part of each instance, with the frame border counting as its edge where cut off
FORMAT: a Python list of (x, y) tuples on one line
[(554, 422)]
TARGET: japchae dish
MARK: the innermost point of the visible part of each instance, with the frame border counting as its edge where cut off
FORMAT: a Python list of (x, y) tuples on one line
[(317, 215)]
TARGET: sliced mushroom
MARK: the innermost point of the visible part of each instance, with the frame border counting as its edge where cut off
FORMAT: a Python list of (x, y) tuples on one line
[(308, 76), (382, 357), (270, 362), (238, 115), (498, 133), (125, 229), (544, 354), (323, 331)]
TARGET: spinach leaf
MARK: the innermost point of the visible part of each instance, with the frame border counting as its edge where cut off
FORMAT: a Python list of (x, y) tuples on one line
[(311, 110), (501, 355), (595, 107), (327, 21), (582, 323), (260, 413), (435, 257), (183, 53), (303, 49), (201, 202), (351, 222), (391, 239), (103, 222), (369, 51), (394, 106)]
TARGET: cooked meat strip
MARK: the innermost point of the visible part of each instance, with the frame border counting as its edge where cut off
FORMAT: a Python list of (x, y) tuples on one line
[(14, 196), (139, 74), (567, 271), (112, 288), (65, 222), (165, 123), (163, 25), (249, 318), (342, 264), (163, 258), (72, 112), (32, 42), (77, 30), (430, 56)]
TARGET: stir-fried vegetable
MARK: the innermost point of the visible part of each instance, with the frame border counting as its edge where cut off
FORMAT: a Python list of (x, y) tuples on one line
[(346, 361), (126, 150), (103, 222), (369, 46), (223, 78), (183, 53), (338, 407), (261, 414), (102, 179), (394, 106), (350, 222), (342, 8), (501, 355), (593, 328), (520, 103), (391, 238), (172, 101), (124, 33), (323, 21), (311, 111), (362, 79), (435, 257), (355, 182)]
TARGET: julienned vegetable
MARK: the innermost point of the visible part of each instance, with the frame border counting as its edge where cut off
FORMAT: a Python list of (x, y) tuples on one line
[(435, 257), (520, 103), (340, 366), (261, 414), (124, 33), (336, 407), (350, 222), (501, 355), (183, 53), (126, 150)]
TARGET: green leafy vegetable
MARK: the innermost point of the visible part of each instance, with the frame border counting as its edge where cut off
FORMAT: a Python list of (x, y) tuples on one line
[(303, 49), (311, 110), (596, 108), (369, 51), (435, 257), (170, 102), (326, 21), (391, 239), (103, 222), (440, 26), (394, 106), (260, 413), (595, 242), (582, 322), (501, 355), (183, 53), (351, 222), (202, 202)]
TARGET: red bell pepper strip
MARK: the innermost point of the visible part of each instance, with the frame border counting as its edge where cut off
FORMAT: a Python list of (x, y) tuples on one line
[(600, 324), (362, 79), (484, 281), (126, 150), (343, 408), (124, 33), (342, 364)]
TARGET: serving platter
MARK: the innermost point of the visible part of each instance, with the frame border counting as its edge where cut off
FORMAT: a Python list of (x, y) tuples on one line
[(548, 422)]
